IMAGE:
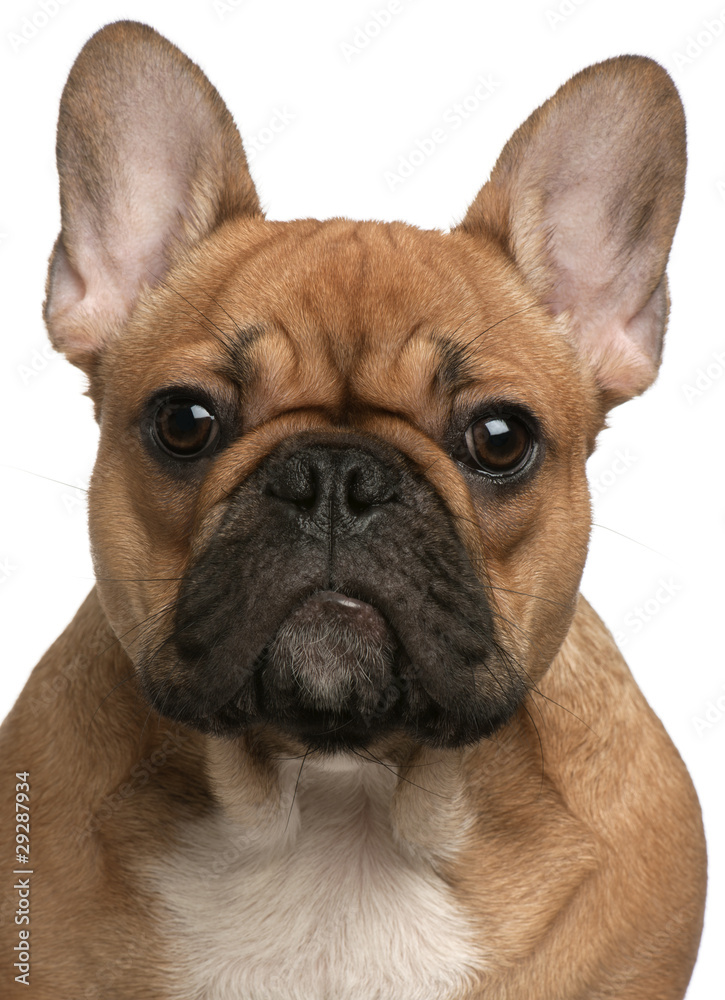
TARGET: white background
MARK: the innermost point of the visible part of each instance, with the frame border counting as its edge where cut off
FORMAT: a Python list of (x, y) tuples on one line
[(354, 114)]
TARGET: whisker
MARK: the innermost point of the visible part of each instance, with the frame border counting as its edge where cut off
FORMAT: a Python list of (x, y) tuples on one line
[(138, 579), (629, 539), (38, 475), (467, 347), (224, 338), (523, 593), (533, 688), (294, 794), (149, 622), (132, 673), (376, 760), (237, 329)]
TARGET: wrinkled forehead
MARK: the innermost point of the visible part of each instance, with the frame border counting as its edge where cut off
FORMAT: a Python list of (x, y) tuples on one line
[(343, 314)]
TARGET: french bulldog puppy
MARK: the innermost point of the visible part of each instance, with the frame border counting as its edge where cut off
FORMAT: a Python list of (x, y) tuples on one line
[(335, 722)]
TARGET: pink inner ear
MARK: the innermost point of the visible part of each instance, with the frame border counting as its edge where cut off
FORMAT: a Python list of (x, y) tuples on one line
[(621, 367), (115, 256), (585, 268), (603, 289), (586, 196), (99, 289), (125, 248), (70, 287), (151, 160)]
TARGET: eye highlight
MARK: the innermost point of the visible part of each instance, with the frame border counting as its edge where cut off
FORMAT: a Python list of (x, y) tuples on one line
[(185, 428), (498, 445)]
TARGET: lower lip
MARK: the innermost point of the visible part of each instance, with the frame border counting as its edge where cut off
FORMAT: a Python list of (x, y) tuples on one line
[(328, 605), (332, 597)]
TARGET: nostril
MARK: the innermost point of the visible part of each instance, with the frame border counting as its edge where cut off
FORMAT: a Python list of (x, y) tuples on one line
[(357, 506), (297, 484), (357, 502), (368, 489), (304, 503)]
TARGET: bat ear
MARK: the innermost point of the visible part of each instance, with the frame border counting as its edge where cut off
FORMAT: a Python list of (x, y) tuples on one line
[(585, 199), (150, 162)]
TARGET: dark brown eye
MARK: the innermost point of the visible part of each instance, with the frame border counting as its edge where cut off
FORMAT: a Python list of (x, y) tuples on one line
[(498, 446), (185, 428)]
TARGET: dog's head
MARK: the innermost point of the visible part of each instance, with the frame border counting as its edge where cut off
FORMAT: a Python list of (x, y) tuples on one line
[(340, 489)]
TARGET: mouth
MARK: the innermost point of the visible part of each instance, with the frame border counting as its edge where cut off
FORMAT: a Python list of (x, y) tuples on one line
[(331, 651), (331, 675)]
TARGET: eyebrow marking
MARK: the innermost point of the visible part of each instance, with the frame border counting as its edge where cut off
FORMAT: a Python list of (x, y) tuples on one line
[(237, 363), (454, 371), (236, 346)]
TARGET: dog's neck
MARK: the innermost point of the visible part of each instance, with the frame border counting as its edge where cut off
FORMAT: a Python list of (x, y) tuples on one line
[(420, 801)]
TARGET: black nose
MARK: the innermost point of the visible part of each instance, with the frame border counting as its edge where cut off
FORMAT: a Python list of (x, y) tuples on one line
[(346, 483)]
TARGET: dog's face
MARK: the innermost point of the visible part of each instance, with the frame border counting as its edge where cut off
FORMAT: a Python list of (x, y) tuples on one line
[(349, 480), (340, 492)]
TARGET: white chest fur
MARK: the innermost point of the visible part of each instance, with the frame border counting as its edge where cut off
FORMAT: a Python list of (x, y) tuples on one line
[(317, 903)]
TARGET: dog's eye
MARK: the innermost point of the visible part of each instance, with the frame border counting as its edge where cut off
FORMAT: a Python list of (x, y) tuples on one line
[(496, 445), (185, 428)]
